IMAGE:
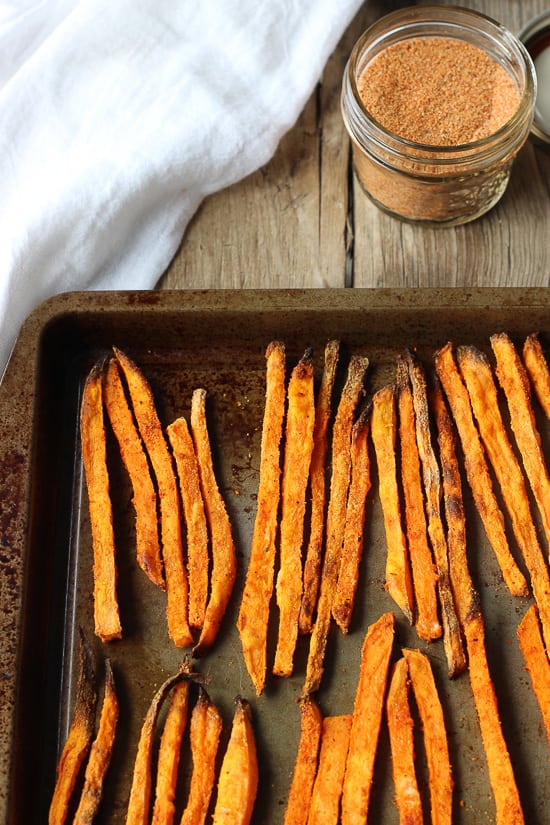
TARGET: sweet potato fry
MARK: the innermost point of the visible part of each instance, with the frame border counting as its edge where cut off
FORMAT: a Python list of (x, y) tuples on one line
[(314, 552), (100, 753), (305, 766), (143, 406), (133, 455), (169, 754), (434, 736), (81, 731), (536, 661), (238, 778), (478, 377), (400, 728), (94, 458), (224, 557), (514, 380), (198, 559), (452, 639), (300, 419), (253, 616), (384, 436), (339, 484), (327, 790), (352, 548), (205, 731), (477, 471), (537, 368), (424, 575), (368, 708)]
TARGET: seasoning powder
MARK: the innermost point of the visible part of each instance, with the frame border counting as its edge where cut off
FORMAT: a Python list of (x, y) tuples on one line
[(438, 91)]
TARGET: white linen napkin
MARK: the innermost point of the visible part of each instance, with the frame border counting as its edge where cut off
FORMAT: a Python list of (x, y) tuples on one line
[(118, 118)]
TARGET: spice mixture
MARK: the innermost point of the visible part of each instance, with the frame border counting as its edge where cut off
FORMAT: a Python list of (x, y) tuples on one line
[(438, 90)]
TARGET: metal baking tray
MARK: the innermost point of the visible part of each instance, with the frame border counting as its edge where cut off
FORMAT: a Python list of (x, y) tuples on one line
[(217, 340)]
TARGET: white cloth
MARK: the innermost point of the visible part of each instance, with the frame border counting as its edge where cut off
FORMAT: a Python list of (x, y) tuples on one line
[(118, 118)]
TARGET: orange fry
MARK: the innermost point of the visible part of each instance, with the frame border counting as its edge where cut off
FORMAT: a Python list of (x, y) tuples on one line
[(253, 617), (325, 800), (539, 373), (169, 755), (94, 458), (536, 661), (135, 460), (151, 432), (224, 557), (238, 777), (205, 731), (314, 553), (297, 458), (305, 766), (477, 471), (400, 728)]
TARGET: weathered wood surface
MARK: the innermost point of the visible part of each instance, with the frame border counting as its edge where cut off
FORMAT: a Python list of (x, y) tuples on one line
[(303, 220)]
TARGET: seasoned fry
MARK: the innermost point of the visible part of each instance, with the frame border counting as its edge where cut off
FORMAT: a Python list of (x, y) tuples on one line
[(94, 458), (400, 728), (424, 575), (514, 380), (100, 753), (253, 616), (477, 472), (300, 419), (205, 731), (314, 553), (452, 639), (352, 548), (169, 755), (367, 716), (133, 455), (536, 661), (539, 373), (151, 432), (224, 556), (327, 790), (384, 435), (477, 374), (80, 736), (238, 778), (434, 735), (305, 766), (339, 484)]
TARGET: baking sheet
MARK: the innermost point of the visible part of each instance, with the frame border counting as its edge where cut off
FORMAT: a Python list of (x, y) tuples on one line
[(217, 340)]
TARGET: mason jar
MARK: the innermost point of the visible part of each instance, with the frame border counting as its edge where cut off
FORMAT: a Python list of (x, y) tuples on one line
[(442, 185)]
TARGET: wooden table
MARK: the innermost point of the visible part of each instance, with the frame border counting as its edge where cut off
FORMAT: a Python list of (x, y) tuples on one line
[(303, 220)]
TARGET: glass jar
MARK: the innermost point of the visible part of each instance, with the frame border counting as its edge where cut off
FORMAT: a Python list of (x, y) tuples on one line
[(432, 184)]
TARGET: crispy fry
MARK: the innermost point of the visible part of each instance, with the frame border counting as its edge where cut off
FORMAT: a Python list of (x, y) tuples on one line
[(205, 731), (81, 731), (352, 548), (135, 460), (253, 617), (536, 661), (477, 472), (477, 374), (539, 373), (339, 484), (100, 753), (514, 380), (305, 766), (238, 778), (327, 790), (224, 556), (384, 435), (169, 754), (314, 553), (452, 639), (424, 575), (143, 405), (400, 728), (434, 735), (94, 457), (300, 419), (367, 716)]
